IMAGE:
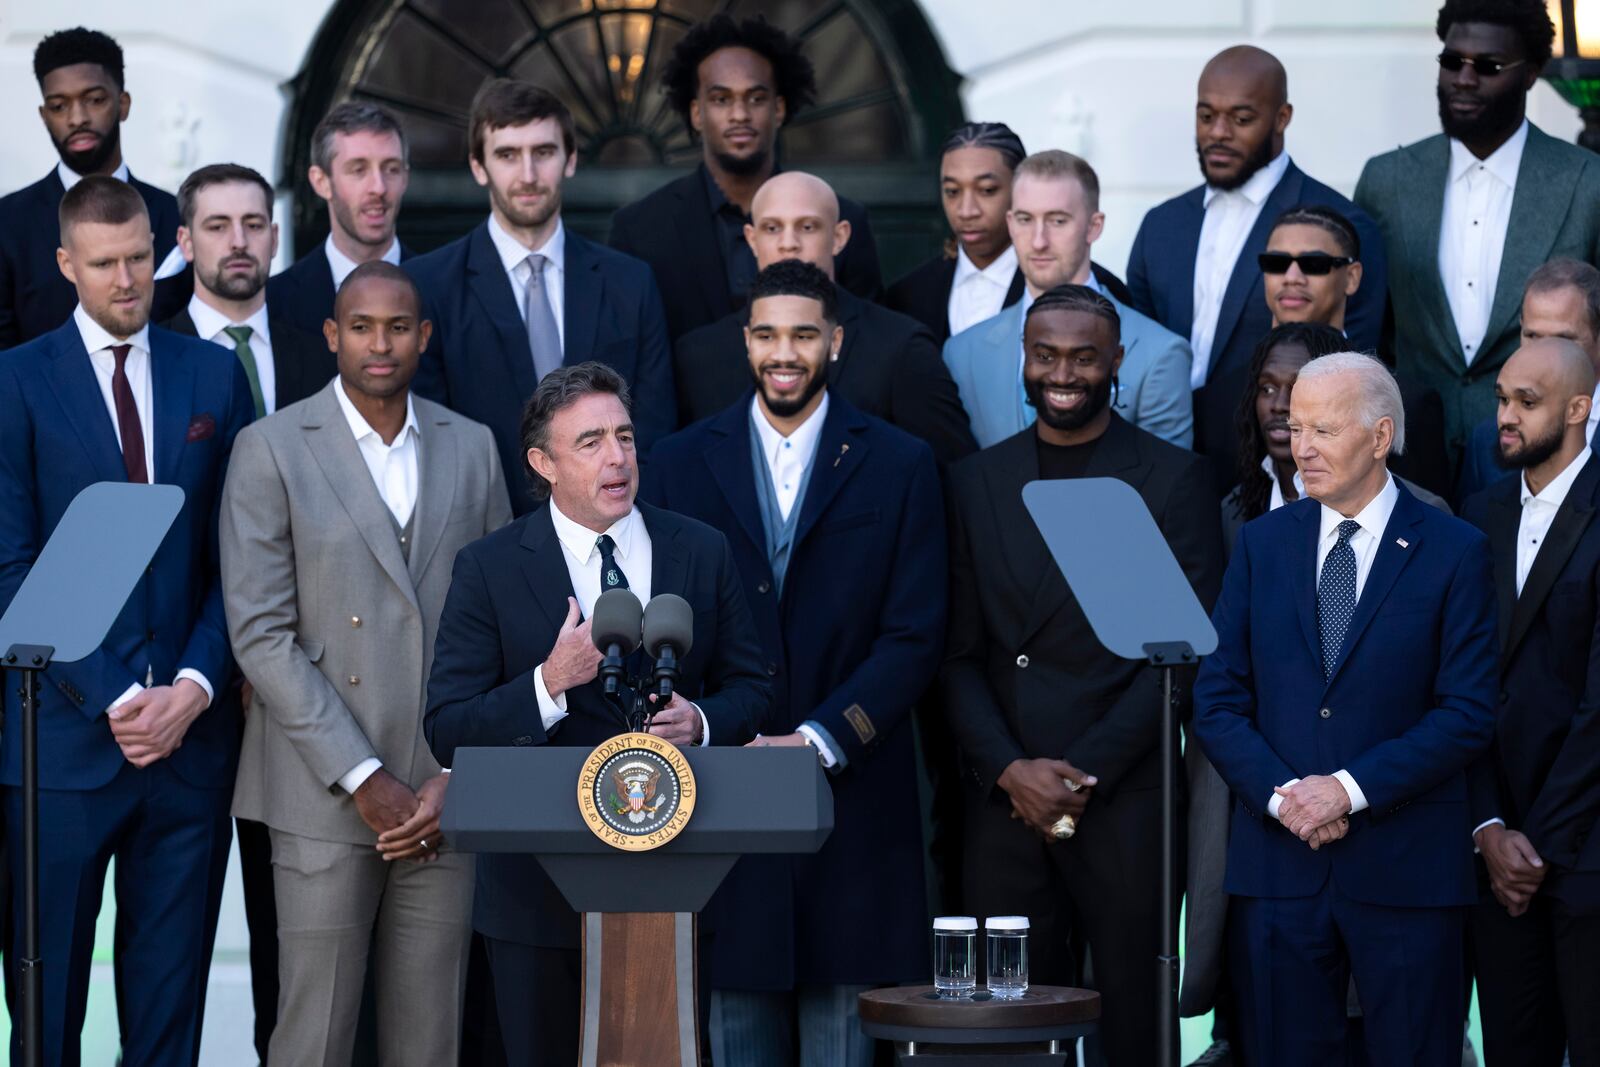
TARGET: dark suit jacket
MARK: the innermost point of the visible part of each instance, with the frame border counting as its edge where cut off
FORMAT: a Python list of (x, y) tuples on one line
[(479, 363), (1479, 466), (673, 230), (301, 362), (1161, 278), (302, 293), (888, 366), (507, 602), (1407, 711), (1554, 212), (1024, 675), (56, 438), (924, 294), (1542, 774), (35, 297), (861, 619)]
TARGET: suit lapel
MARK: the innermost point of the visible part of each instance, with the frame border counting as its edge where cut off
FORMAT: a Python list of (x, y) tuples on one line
[(840, 452), (850, 320), (1426, 169), (436, 485), (1504, 517), (544, 567), (1027, 556), (1244, 284), (729, 462), (1571, 521), (1390, 560), (582, 297), (697, 242), (1309, 512), (1538, 208), (492, 287), (669, 559), (172, 393), (1019, 285), (77, 390), (182, 323), (1184, 242)]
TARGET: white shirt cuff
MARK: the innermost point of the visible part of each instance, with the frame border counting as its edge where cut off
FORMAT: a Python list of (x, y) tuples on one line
[(1276, 801), (198, 679), (1496, 821), (828, 758), (127, 694), (1358, 799), (705, 726), (352, 779), (551, 709)]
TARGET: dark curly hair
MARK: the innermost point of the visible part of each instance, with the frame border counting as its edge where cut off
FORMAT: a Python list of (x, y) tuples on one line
[(68, 48), (796, 277), (1529, 19), (796, 78), (1255, 484)]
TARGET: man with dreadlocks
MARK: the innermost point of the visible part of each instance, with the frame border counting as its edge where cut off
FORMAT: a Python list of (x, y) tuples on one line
[(1034, 700)]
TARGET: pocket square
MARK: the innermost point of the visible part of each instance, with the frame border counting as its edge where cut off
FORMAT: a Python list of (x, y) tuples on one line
[(201, 427)]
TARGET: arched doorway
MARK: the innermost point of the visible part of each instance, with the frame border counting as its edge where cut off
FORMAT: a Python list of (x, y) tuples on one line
[(885, 99)]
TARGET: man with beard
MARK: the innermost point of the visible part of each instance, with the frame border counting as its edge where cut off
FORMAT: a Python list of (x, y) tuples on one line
[(834, 518), (1468, 213), (735, 84), (520, 295), (80, 76), (1194, 266), (1050, 724), (1535, 932), (359, 166)]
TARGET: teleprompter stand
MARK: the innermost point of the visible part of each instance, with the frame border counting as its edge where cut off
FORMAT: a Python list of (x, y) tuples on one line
[(65, 606), (1141, 607)]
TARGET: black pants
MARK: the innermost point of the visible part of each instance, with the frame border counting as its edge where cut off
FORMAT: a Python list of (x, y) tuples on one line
[(536, 991), (261, 916)]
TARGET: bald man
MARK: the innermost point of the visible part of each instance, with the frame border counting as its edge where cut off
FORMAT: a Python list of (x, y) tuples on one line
[(1535, 932), (1193, 267), (888, 364)]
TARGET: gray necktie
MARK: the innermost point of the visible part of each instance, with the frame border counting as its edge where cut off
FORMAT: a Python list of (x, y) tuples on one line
[(544, 340)]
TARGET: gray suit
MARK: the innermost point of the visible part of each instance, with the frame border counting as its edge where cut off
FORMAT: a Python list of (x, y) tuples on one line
[(332, 619)]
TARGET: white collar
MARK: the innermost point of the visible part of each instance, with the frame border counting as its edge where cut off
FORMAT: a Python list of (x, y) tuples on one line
[(70, 177), (1259, 186), (1000, 272), (95, 337), (361, 427), (1373, 518), (803, 439), (1594, 406), (1503, 162), (580, 540), (1277, 501), (209, 322), (342, 265), (513, 252), (1555, 493)]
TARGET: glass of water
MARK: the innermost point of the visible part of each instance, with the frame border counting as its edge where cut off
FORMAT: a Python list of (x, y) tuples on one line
[(1008, 955), (955, 956)]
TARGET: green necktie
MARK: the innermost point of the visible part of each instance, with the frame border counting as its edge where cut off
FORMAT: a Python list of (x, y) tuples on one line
[(241, 348)]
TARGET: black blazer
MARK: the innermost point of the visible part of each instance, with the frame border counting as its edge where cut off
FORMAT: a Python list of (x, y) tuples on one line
[(924, 294), (301, 362), (888, 366), (35, 297), (1542, 774), (507, 602), (1024, 674), (479, 363), (673, 230), (302, 293)]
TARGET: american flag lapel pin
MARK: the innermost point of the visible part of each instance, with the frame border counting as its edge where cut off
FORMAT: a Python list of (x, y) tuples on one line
[(1402, 542)]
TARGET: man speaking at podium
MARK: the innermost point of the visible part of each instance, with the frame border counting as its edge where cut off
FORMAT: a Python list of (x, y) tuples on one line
[(515, 664)]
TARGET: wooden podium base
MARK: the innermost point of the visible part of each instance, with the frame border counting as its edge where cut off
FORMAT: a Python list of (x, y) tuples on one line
[(639, 1005)]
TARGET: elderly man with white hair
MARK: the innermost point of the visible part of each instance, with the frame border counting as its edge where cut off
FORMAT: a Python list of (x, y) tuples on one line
[(1352, 685)]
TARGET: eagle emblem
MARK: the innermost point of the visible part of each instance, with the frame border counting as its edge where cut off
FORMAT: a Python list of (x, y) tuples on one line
[(634, 787)]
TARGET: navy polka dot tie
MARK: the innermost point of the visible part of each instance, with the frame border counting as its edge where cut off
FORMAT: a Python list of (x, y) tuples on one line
[(611, 576), (1336, 596)]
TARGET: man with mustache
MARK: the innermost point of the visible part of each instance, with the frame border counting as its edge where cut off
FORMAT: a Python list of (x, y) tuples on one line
[(359, 166), (521, 296), (1468, 213), (1194, 265), (80, 76)]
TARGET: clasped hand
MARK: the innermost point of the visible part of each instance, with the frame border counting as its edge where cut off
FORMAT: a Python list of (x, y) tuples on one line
[(150, 726), (1515, 869), (1315, 809), (1039, 795), (407, 823)]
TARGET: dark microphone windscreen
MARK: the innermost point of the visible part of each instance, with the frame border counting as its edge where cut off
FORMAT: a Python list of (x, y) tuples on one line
[(668, 620), (616, 620)]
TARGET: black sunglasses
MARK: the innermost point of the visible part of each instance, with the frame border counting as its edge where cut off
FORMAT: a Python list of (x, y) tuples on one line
[(1312, 264), (1485, 68)]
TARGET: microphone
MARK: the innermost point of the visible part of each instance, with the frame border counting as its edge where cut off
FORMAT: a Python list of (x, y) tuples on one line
[(668, 636), (615, 628)]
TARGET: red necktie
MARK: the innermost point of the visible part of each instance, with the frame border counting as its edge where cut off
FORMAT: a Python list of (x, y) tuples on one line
[(128, 417)]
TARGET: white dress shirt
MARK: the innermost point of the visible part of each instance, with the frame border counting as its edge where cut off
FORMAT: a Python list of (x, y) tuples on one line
[(514, 258), (1230, 215), (1539, 511), (1472, 233), (98, 343), (1594, 417), (1277, 500), (977, 294), (1374, 519), (394, 471), (342, 265), (788, 457), (209, 323)]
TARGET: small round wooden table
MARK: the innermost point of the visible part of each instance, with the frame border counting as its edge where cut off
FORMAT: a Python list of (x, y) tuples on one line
[(1036, 1030)]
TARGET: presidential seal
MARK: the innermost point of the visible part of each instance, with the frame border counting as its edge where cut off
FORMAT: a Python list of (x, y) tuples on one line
[(636, 792)]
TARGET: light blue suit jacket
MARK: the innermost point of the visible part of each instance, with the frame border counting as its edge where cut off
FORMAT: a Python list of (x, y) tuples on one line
[(1153, 391)]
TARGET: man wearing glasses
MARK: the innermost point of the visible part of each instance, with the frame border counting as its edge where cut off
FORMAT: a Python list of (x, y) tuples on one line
[(1489, 199)]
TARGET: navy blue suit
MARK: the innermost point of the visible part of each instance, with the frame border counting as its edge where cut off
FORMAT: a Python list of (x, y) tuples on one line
[(302, 293), (1479, 467), (166, 825), (1408, 708), (478, 361), (35, 297), (860, 621), (1161, 279)]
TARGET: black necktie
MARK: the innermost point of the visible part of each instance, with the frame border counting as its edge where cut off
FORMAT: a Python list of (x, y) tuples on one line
[(1336, 596), (611, 576)]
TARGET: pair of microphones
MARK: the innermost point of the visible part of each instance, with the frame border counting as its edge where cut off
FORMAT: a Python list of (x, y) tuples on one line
[(620, 624)]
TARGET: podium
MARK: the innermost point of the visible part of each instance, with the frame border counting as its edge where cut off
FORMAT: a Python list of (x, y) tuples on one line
[(638, 907)]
